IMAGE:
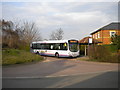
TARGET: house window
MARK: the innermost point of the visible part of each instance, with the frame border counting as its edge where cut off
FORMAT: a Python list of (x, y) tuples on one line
[(112, 33), (98, 34)]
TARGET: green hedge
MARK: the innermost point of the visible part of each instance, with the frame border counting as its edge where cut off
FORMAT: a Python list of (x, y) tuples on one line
[(103, 53), (112, 48)]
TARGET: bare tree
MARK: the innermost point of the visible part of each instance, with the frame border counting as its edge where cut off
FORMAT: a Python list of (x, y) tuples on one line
[(29, 32), (9, 36), (58, 35), (53, 36), (18, 34)]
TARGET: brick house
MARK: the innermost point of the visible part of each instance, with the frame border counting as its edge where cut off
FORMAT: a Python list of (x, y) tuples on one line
[(104, 34)]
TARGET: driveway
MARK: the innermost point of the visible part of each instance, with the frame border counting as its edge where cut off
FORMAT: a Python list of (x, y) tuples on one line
[(53, 67), (61, 73)]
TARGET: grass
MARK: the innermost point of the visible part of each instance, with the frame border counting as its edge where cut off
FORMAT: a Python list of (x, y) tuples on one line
[(15, 56)]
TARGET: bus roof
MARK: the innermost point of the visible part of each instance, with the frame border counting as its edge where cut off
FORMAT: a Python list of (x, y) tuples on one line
[(54, 41)]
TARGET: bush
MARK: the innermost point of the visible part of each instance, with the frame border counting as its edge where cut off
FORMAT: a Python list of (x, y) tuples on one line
[(82, 49), (112, 48), (14, 56), (102, 54), (116, 41), (25, 47)]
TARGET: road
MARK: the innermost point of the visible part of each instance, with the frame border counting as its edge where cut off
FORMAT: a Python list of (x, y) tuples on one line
[(61, 73)]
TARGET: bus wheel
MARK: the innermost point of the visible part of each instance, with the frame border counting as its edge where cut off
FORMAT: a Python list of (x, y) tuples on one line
[(37, 53), (57, 55)]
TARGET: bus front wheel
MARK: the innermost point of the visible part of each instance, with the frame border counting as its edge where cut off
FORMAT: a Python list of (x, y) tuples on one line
[(57, 55)]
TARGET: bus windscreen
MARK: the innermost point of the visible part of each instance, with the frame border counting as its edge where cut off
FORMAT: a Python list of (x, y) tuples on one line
[(73, 45)]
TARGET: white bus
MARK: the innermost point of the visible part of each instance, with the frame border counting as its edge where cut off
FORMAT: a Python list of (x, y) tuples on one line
[(58, 48)]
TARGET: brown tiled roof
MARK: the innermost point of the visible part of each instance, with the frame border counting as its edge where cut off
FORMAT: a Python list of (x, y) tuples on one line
[(85, 40)]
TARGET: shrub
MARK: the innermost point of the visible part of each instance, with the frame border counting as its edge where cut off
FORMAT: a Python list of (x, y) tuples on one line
[(116, 41), (82, 49), (112, 48), (102, 54)]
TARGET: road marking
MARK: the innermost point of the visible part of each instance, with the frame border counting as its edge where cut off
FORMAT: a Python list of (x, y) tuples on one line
[(53, 76), (71, 81)]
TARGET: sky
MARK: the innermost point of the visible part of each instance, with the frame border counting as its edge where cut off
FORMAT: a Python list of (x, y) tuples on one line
[(76, 19)]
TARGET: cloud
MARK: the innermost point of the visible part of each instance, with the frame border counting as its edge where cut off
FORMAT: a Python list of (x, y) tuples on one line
[(76, 19)]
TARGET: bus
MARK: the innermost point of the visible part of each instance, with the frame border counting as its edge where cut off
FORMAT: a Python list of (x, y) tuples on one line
[(57, 48)]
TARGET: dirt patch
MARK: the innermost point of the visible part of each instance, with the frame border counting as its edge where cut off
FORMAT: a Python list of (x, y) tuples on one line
[(83, 58)]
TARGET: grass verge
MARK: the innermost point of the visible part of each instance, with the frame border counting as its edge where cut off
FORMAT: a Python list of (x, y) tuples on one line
[(15, 56)]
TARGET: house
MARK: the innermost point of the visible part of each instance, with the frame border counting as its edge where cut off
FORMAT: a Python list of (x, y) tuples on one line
[(105, 33)]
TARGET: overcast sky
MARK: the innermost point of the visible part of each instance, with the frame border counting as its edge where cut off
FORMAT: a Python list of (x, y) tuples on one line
[(77, 19)]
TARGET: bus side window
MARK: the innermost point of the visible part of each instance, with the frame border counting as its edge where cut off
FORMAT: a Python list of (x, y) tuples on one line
[(38, 45), (51, 47), (47, 46), (57, 46), (34, 46), (42, 46), (63, 46)]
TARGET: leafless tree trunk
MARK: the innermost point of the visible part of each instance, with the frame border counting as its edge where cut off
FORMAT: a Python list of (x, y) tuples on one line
[(58, 35)]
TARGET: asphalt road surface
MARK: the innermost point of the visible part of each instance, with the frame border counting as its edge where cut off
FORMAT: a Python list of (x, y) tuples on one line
[(61, 73)]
